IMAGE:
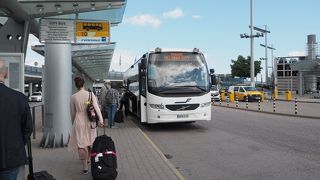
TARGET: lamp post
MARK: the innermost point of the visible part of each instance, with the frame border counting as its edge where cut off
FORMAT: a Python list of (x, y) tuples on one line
[(251, 36), (265, 32), (274, 69), (263, 59)]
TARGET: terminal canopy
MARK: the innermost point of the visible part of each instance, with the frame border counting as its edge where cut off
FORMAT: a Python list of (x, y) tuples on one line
[(91, 59)]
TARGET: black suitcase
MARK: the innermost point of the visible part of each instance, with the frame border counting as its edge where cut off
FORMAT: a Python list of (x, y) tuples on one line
[(103, 159), (119, 117), (42, 175)]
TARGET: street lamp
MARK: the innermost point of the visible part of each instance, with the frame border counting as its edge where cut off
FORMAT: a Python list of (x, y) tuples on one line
[(265, 32), (251, 36), (274, 70), (251, 52)]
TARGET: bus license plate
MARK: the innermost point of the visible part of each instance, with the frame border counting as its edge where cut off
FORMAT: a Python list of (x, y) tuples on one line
[(182, 115)]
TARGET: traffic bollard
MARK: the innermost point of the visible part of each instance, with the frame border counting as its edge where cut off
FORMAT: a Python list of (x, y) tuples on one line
[(247, 104), (274, 104), (220, 101), (295, 106), (259, 104), (227, 101), (237, 101)]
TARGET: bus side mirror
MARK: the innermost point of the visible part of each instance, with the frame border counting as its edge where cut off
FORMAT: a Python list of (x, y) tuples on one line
[(213, 79), (143, 63)]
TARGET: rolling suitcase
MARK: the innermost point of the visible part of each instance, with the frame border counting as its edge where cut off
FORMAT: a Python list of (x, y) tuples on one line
[(119, 117), (103, 158), (41, 175)]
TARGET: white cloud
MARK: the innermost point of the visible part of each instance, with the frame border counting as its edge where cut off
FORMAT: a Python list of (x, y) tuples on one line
[(297, 53), (143, 20), (127, 59), (32, 56), (196, 17), (174, 14)]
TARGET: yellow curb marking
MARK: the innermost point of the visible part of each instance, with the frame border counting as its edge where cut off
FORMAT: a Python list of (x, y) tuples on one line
[(163, 157)]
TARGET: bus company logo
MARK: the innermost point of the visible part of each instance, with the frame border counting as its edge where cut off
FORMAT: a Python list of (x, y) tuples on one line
[(183, 108), (189, 99)]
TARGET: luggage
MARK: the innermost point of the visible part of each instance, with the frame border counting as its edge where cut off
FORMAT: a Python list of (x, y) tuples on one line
[(103, 159), (119, 117), (42, 175)]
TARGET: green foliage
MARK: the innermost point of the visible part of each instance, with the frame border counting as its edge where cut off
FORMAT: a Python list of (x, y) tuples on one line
[(241, 67)]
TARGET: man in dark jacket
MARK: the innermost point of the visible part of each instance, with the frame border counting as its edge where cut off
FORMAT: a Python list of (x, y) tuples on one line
[(15, 128)]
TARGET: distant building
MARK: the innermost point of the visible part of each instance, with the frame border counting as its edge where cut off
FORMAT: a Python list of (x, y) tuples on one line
[(300, 73)]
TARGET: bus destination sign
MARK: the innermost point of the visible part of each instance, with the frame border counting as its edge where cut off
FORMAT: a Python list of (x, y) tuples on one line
[(92, 32), (176, 57)]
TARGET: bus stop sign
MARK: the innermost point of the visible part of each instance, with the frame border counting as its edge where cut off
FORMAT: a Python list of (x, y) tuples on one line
[(92, 32)]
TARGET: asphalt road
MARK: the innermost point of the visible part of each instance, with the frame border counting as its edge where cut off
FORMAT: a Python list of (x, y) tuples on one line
[(242, 145)]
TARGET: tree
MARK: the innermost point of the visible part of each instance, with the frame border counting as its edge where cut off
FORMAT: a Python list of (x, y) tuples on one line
[(241, 67)]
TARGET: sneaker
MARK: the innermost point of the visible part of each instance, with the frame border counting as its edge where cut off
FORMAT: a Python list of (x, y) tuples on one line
[(85, 172)]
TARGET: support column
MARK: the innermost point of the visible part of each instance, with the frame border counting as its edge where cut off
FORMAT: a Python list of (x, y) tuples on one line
[(57, 92), (30, 88)]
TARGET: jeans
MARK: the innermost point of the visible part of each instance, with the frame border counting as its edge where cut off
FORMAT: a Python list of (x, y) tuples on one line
[(9, 174), (111, 109)]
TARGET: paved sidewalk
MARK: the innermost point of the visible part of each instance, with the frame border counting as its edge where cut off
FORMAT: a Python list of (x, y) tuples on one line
[(138, 157)]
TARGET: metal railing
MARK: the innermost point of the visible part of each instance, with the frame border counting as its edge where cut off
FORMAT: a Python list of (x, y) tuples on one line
[(33, 114)]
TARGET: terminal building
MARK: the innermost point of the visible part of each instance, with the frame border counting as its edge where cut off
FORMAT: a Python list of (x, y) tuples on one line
[(300, 74)]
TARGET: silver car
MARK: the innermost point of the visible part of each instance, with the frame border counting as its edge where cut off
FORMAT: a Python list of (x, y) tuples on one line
[(215, 95)]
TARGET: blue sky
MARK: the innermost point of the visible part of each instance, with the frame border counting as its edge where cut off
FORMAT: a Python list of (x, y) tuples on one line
[(214, 27)]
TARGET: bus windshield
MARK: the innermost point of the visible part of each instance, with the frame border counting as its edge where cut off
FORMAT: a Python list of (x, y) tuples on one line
[(170, 71)]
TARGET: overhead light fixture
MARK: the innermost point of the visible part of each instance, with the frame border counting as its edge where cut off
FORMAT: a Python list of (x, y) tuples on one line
[(19, 37), (75, 7), (59, 8), (9, 36), (40, 8), (93, 6)]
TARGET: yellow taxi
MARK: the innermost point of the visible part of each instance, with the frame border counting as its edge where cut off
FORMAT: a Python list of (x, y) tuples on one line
[(242, 92)]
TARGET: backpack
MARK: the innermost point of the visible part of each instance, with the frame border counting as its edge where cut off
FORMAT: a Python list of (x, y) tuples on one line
[(103, 159)]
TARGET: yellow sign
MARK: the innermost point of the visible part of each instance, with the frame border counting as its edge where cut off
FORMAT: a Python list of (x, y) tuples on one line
[(92, 32)]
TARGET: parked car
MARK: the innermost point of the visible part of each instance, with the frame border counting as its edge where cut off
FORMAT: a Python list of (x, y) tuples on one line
[(242, 92), (215, 95), (36, 96)]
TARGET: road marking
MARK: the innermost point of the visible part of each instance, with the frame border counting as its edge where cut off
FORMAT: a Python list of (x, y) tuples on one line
[(163, 157)]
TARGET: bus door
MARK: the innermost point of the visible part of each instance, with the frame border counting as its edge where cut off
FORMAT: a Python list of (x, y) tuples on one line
[(142, 92)]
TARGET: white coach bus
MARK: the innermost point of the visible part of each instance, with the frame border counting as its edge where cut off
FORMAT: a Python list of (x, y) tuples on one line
[(169, 86)]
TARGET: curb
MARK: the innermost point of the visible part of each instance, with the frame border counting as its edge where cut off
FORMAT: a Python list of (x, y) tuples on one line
[(267, 112), (163, 157), (301, 101)]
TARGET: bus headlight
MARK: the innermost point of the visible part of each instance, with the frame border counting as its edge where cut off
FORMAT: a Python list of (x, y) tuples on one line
[(156, 106), (206, 104)]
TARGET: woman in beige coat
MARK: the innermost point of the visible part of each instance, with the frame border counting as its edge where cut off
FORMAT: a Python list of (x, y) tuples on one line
[(82, 135)]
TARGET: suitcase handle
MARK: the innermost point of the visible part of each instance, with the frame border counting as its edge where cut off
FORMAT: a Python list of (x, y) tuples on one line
[(30, 176)]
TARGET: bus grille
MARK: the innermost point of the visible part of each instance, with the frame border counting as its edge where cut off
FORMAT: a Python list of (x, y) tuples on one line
[(182, 107)]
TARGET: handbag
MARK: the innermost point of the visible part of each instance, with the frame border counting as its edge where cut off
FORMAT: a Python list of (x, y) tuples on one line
[(92, 114)]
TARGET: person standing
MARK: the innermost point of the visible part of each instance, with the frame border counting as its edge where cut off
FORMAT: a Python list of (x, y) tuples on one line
[(112, 103), (102, 99), (82, 135), (124, 101), (15, 128)]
